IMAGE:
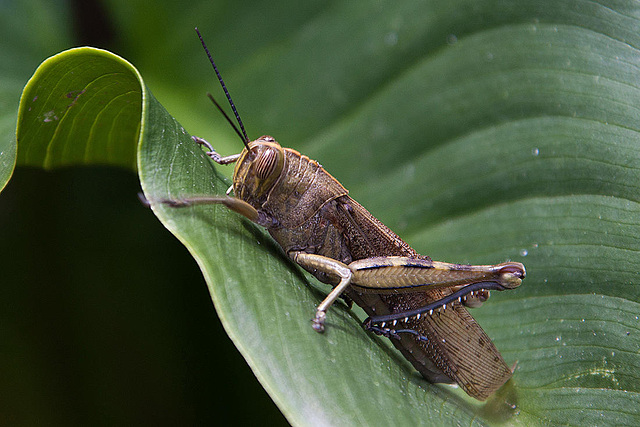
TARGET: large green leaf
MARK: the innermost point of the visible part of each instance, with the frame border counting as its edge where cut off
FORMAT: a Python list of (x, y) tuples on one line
[(81, 106), (481, 131)]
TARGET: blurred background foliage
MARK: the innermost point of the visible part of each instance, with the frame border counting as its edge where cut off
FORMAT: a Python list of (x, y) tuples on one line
[(104, 316)]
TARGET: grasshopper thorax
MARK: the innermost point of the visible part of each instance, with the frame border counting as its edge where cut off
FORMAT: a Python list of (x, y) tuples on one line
[(258, 169)]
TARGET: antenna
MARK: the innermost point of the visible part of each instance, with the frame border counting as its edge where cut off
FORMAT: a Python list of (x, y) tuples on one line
[(243, 136), (226, 116)]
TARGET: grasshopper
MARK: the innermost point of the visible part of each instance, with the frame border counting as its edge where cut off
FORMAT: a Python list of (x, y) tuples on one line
[(418, 303)]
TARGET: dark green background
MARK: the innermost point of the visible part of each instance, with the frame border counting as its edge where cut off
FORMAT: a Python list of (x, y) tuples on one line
[(104, 316)]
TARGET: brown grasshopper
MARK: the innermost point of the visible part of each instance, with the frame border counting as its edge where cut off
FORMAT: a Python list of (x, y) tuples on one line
[(416, 302)]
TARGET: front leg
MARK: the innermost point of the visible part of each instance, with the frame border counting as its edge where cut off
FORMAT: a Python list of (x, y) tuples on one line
[(213, 155), (331, 267), (232, 203)]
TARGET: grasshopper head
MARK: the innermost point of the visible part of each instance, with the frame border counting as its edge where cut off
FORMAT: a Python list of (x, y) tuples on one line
[(257, 169)]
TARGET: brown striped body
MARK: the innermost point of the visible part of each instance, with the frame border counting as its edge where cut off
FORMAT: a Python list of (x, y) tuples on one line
[(305, 209)]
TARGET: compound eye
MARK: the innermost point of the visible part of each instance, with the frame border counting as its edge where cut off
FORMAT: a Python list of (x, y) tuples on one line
[(266, 163)]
